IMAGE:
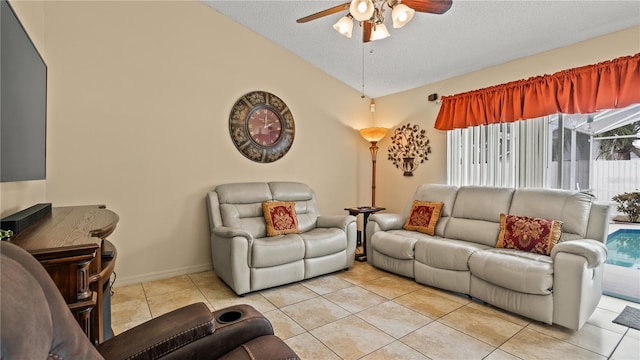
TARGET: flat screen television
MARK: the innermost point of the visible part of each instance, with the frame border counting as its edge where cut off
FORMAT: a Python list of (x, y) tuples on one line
[(23, 102)]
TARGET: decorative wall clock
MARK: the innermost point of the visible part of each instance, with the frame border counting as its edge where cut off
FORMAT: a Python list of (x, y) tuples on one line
[(261, 126)]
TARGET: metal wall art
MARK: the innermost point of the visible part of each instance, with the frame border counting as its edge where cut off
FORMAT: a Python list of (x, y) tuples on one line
[(409, 148)]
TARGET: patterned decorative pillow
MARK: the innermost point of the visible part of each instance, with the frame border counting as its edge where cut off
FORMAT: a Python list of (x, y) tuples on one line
[(424, 216), (534, 235), (280, 217)]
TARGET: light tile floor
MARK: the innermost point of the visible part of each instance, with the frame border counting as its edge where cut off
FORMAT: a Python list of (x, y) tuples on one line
[(366, 313)]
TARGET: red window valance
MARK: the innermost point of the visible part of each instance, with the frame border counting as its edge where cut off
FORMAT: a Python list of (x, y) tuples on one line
[(607, 85)]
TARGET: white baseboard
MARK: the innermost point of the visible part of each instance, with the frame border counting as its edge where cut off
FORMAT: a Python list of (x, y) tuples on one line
[(160, 275)]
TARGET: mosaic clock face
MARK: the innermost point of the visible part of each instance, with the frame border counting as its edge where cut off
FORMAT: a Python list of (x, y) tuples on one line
[(261, 126), (265, 126)]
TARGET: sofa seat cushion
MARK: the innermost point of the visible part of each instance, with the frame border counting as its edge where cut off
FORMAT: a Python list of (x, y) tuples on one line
[(396, 244), (514, 270), (276, 250), (446, 254), (324, 241)]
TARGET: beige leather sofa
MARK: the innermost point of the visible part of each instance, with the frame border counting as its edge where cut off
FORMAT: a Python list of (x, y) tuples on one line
[(249, 260), (563, 288)]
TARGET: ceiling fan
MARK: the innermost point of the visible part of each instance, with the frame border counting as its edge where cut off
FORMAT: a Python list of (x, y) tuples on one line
[(369, 13)]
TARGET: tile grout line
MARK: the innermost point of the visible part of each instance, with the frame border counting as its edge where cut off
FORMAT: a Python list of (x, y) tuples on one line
[(202, 293), (146, 300), (511, 337), (360, 285), (618, 343)]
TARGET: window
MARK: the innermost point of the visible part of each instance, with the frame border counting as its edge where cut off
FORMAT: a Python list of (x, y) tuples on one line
[(598, 153), (570, 161), (505, 155)]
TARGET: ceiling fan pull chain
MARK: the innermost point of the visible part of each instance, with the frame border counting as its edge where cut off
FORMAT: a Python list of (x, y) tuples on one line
[(362, 96)]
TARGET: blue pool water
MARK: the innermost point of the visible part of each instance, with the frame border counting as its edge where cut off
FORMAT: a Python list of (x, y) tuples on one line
[(624, 248)]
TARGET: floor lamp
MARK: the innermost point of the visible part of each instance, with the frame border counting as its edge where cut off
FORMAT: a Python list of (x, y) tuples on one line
[(373, 135)]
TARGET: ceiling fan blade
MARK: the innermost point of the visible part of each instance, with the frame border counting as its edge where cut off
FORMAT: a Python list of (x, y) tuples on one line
[(324, 13), (366, 31), (429, 6)]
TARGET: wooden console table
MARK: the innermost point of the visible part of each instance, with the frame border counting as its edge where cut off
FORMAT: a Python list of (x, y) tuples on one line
[(70, 244)]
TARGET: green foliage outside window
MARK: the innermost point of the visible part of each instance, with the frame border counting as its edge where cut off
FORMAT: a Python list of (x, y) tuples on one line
[(620, 148), (629, 204)]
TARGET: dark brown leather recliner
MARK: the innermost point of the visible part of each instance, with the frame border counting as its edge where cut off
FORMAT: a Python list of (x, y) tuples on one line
[(36, 323)]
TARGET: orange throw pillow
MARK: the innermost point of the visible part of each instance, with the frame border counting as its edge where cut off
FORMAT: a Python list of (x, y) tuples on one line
[(534, 235), (280, 217), (424, 216)]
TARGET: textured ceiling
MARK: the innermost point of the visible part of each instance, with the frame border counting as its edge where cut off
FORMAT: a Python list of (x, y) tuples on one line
[(472, 35)]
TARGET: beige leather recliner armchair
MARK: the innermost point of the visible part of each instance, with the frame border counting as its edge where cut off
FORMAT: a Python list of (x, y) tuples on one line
[(248, 260)]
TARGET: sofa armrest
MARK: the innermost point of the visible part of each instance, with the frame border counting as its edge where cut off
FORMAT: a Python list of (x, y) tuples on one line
[(229, 232), (337, 221), (594, 251), (387, 221), (578, 267), (162, 335)]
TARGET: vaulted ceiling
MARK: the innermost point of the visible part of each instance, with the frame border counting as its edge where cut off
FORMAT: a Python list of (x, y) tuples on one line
[(472, 35)]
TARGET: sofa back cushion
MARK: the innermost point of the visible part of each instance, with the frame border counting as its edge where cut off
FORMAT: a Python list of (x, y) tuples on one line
[(35, 320), (476, 214), (241, 204), (570, 207), (304, 197), (435, 193)]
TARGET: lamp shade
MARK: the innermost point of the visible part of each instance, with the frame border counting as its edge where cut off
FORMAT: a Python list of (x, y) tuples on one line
[(401, 15), (379, 32), (344, 26), (361, 10), (373, 133)]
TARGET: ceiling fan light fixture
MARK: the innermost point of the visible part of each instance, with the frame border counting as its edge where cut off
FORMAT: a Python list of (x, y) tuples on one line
[(361, 10), (379, 32), (344, 26), (401, 15)]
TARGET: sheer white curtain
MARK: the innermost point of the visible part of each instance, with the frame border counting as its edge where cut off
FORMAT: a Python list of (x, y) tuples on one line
[(504, 155)]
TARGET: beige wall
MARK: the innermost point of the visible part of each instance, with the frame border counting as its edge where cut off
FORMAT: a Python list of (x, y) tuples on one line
[(393, 189), (139, 99)]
